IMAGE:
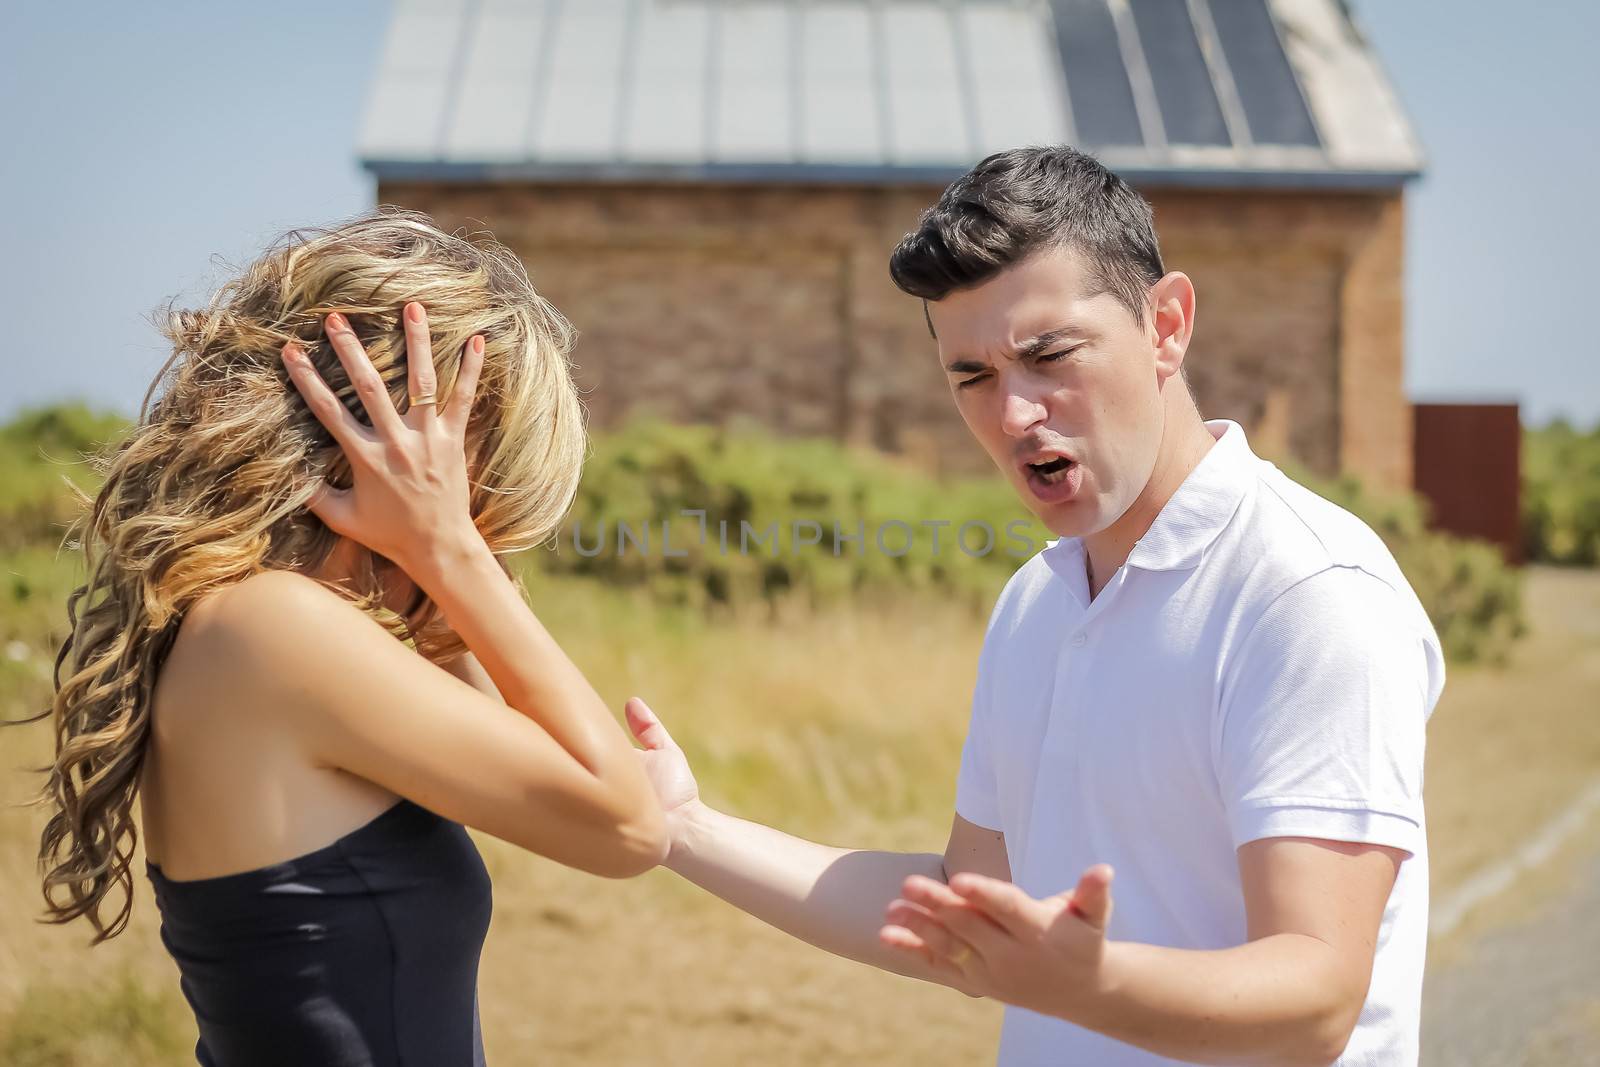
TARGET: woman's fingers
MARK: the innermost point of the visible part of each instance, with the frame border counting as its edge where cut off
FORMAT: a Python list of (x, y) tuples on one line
[(421, 379), (321, 402), (368, 385), (459, 410), (404, 473), (333, 506)]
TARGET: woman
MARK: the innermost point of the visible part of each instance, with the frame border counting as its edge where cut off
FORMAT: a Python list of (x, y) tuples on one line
[(343, 446)]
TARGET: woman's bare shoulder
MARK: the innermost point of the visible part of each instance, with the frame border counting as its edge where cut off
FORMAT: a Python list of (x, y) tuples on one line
[(261, 606), (272, 630)]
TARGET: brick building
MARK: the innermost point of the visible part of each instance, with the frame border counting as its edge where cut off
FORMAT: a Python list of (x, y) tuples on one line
[(710, 189)]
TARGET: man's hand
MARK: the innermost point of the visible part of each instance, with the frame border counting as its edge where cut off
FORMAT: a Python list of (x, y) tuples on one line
[(1292, 993), (990, 939), (666, 767)]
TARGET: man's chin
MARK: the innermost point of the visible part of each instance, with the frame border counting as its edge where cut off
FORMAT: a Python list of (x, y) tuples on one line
[(1077, 516), (1072, 518)]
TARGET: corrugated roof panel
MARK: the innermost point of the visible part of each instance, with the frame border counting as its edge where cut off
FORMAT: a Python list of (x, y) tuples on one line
[(928, 118), (406, 110), (1205, 92), (1016, 78), (1267, 87), (493, 106), (1361, 120), (1103, 110), (839, 109), (1190, 113), (578, 105), (754, 82), (666, 107)]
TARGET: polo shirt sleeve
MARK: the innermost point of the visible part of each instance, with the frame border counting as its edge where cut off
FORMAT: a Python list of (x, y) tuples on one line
[(1322, 716), (977, 797)]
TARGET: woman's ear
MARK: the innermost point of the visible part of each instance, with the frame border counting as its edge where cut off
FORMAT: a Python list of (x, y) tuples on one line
[(1172, 301)]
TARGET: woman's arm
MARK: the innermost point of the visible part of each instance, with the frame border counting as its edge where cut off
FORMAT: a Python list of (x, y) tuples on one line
[(561, 777), (469, 670), (349, 696)]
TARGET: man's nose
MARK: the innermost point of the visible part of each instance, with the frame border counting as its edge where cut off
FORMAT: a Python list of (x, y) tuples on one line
[(1020, 412)]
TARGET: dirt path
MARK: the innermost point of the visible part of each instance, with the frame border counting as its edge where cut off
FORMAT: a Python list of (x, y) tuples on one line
[(1519, 985)]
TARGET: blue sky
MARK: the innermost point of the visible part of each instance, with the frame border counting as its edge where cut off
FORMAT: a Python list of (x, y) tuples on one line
[(140, 141)]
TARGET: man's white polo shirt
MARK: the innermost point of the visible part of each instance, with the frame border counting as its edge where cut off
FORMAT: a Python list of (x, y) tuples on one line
[(1258, 668)]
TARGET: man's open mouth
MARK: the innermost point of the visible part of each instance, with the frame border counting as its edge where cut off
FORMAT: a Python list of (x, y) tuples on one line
[(1051, 471)]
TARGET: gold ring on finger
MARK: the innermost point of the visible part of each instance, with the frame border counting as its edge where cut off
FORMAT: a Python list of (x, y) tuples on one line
[(962, 955), (425, 398)]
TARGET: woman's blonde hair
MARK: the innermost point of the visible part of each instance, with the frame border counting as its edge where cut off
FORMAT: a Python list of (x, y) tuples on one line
[(210, 487)]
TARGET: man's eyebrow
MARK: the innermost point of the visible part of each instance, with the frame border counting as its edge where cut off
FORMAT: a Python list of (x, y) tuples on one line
[(966, 366), (1035, 345), (1024, 349)]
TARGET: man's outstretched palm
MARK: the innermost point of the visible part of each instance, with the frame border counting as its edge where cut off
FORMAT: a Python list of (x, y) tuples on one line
[(664, 764)]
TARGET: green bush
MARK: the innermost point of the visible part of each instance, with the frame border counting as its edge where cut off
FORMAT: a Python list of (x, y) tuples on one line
[(649, 474), (1472, 596), (40, 451), (782, 519), (1561, 495)]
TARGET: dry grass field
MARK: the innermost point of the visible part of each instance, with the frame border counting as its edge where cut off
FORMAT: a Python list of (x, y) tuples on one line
[(844, 726)]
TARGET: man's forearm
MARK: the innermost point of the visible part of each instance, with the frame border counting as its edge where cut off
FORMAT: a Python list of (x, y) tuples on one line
[(831, 897), (1281, 1000)]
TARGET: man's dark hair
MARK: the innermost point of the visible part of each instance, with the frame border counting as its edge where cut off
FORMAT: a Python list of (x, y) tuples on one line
[(1026, 200)]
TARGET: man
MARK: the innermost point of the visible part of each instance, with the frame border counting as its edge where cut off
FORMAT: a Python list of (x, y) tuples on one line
[(1214, 683)]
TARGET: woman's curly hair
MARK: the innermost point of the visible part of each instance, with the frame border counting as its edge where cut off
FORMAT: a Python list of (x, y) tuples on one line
[(211, 485)]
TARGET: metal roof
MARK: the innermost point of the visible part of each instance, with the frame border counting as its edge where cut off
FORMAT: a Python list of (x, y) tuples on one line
[(1199, 92)]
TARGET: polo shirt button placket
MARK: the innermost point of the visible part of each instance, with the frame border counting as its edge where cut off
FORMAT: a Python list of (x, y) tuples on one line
[(1080, 639), (1055, 777)]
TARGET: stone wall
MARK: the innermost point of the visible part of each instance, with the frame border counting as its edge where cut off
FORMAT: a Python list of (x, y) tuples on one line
[(773, 304)]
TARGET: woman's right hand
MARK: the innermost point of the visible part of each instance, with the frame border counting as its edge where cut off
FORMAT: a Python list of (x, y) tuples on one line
[(409, 501)]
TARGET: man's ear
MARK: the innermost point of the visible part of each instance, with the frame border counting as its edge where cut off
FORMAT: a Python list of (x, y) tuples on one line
[(1172, 308)]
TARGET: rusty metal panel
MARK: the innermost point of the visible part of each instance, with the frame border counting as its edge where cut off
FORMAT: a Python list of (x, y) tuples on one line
[(1468, 466)]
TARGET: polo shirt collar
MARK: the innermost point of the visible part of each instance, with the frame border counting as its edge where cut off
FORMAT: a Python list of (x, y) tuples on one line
[(1195, 515)]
